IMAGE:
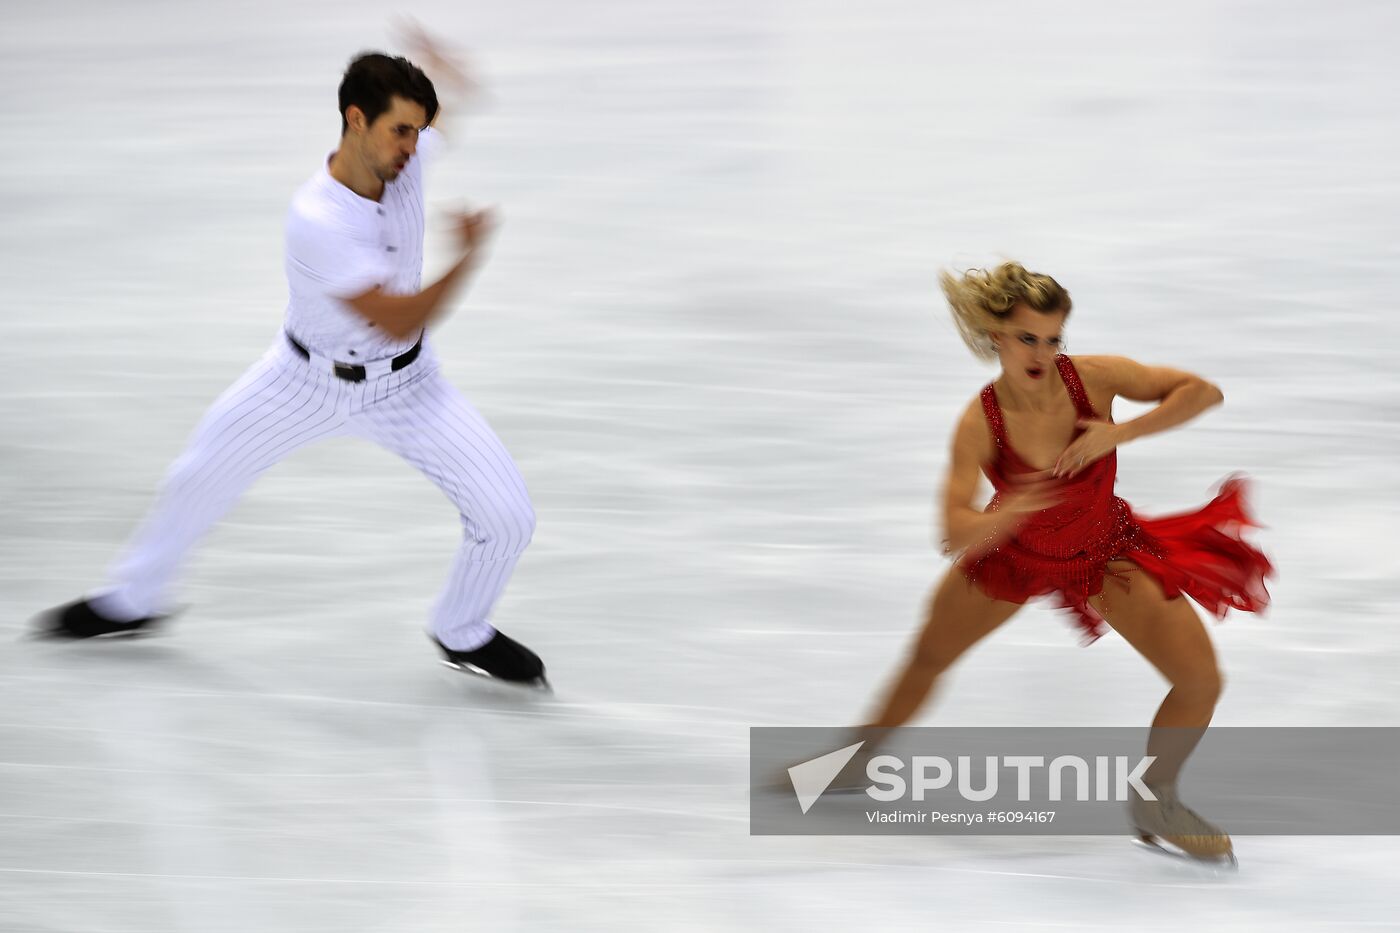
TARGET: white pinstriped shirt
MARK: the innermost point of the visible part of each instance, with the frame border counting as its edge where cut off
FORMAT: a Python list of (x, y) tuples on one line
[(339, 245)]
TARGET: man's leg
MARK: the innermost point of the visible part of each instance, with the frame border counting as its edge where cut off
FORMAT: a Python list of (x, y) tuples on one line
[(278, 405), (432, 426)]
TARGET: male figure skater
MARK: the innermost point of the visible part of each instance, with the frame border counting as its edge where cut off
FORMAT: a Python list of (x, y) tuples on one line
[(353, 358)]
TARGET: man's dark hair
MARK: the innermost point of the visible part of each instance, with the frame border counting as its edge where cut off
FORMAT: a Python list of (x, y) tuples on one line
[(373, 78)]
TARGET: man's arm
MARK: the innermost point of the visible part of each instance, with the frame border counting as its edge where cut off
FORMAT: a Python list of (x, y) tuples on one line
[(402, 316), (442, 65)]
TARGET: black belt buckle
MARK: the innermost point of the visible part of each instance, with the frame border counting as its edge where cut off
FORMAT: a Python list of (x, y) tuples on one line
[(350, 373)]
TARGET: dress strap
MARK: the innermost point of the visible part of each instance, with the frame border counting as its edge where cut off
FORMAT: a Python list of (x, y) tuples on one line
[(1070, 375), (992, 410)]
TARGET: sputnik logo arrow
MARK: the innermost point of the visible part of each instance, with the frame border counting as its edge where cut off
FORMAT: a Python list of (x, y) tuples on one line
[(811, 778)]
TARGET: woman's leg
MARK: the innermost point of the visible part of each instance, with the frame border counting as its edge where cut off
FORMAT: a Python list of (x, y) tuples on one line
[(1169, 634), (959, 615)]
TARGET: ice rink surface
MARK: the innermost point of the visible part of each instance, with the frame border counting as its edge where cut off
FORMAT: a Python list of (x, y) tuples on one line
[(710, 334)]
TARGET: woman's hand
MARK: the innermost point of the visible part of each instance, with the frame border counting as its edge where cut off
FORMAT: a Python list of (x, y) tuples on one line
[(1030, 493), (1100, 438)]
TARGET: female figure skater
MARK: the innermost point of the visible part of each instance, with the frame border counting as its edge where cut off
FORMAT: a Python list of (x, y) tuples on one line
[(1043, 434)]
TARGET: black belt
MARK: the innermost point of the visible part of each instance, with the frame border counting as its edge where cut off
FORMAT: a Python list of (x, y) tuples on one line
[(353, 372)]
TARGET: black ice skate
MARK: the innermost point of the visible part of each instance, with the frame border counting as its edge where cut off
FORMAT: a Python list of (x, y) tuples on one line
[(1168, 826), (79, 620), (502, 658)]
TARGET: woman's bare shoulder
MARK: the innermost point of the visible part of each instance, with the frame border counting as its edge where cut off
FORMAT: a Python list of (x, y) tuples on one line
[(1101, 377), (1121, 375), (1102, 372), (1098, 365)]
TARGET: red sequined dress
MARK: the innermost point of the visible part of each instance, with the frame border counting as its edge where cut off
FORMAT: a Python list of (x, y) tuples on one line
[(1064, 550)]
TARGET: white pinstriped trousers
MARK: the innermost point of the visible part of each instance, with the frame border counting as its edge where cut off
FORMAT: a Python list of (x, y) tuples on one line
[(284, 402)]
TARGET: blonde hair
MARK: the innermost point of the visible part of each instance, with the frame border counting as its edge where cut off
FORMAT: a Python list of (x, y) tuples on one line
[(982, 300)]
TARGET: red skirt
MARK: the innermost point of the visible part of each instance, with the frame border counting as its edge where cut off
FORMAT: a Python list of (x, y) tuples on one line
[(1200, 553)]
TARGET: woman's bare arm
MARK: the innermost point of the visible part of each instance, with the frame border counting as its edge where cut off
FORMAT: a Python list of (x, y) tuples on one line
[(1180, 395), (965, 527)]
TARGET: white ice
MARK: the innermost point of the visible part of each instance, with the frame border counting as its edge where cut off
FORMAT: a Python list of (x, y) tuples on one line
[(710, 334)]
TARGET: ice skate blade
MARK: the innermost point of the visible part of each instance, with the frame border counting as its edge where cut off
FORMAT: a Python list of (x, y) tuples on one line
[(539, 684), (60, 635), (1151, 843), (43, 627)]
